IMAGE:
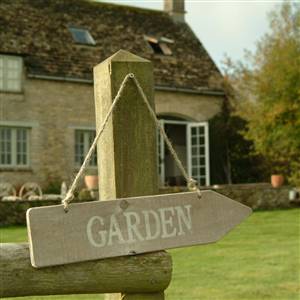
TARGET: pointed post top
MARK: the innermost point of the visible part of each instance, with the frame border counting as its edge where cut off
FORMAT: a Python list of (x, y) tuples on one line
[(125, 56), (128, 145)]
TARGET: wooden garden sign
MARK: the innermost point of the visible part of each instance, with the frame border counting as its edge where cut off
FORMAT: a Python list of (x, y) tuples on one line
[(129, 226), (132, 225), (136, 219)]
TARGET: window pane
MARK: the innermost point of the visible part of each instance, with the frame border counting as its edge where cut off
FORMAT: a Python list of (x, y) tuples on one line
[(13, 146), (13, 85), (5, 146), (82, 36), (83, 142), (21, 146), (79, 147), (13, 74), (13, 63), (202, 171), (1, 68), (194, 161), (202, 161), (10, 73), (194, 171), (1, 73), (194, 150)]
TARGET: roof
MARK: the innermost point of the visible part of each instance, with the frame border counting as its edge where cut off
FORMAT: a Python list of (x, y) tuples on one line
[(38, 30)]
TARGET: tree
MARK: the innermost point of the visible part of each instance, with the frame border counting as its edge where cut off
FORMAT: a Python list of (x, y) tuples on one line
[(267, 92)]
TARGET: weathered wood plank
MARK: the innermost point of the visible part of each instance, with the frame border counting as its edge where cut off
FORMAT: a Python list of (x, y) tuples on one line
[(148, 273), (128, 226)]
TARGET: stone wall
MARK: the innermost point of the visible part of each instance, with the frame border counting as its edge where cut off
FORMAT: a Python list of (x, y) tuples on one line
[(257, 196), (14, 212)]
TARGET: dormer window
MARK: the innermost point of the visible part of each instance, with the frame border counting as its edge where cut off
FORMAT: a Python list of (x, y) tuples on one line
[(10, 73), (159, 46), (82, 36)]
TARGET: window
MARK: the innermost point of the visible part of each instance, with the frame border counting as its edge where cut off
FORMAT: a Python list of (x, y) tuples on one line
[(14, 146), (10, 73), (160, 46), (83, 142), (82, 36)]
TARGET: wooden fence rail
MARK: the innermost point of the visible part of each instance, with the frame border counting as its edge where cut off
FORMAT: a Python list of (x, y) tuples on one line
[(147, 273)]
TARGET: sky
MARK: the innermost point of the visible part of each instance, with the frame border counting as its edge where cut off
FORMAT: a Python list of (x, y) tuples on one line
[(224, 27)]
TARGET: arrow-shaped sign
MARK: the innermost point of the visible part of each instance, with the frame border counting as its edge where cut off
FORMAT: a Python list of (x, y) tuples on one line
[(129, 226)]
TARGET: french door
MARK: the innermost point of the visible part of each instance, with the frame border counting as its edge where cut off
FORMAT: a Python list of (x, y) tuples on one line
[(197, 151)]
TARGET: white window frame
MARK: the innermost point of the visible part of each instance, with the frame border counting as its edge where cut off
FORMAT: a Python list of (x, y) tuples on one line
[(86, 145), (206, 149), (188, 148), (5, 73), (14, 153)]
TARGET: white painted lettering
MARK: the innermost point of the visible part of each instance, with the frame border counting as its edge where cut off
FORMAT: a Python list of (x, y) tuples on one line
[(133, 220), (156, 224), (184, 218), (114, 231), (146, 225), (101, 233), (167, 222)]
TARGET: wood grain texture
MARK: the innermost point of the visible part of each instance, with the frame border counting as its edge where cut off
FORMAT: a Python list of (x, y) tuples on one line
[(149, 273), (129, 226), (127, 150)]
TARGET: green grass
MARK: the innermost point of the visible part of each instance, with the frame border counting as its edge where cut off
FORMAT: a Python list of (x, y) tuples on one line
[(258, 260)]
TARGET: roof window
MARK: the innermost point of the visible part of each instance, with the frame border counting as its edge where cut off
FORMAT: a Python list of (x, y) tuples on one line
[(160, 46), (82, 36), (11, 73)]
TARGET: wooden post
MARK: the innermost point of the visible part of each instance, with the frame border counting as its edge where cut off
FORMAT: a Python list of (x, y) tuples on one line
[(132, 274), (127, 150)]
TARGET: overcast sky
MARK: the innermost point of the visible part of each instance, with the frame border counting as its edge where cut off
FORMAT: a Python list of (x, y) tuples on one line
[(222, 26)]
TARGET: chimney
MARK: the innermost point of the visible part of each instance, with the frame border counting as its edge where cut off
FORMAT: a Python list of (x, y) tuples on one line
[(175, 8)]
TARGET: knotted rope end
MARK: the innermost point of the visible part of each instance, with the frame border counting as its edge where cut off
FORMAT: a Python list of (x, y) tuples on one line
[(192, 186), (69, 197)]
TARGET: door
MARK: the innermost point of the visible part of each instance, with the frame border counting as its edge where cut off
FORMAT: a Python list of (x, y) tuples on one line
[(198, 152)]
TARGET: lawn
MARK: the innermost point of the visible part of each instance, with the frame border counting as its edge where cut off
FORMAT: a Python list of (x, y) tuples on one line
[(258, 260)]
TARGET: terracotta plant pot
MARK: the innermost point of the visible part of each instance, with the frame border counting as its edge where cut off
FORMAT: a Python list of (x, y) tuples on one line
[(277, 181), (91, 182)]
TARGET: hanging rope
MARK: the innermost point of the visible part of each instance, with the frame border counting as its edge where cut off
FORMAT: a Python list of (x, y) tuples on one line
[(70, 194), (191, 183)]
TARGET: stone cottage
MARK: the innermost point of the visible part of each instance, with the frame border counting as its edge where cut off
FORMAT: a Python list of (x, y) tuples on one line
[(47, 51)]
